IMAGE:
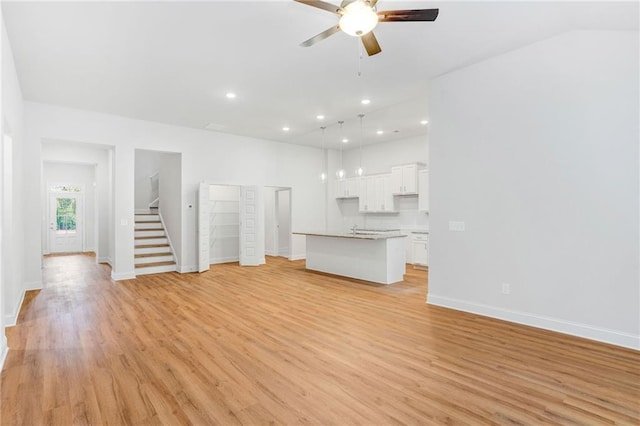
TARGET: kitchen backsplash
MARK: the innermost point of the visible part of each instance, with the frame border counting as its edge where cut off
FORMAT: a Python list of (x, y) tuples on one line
[(407, 218)]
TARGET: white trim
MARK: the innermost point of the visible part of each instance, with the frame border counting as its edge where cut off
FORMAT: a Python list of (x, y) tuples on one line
[(271, 253), (187, 269), (123, 276), (11, 319), (613, 337), (300, 256), (4, 349), (143, 211), (166, 233), (224, 260), (106, 260), (32, 285)]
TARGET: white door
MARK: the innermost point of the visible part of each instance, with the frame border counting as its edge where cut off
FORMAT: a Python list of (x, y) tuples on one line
[(251, 226), (203, 227), (65, 222)]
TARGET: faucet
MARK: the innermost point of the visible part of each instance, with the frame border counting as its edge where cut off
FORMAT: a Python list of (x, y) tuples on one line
[(353, 229)]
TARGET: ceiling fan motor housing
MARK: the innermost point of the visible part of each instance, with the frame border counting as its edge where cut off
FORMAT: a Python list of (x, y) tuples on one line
[(358, 18)]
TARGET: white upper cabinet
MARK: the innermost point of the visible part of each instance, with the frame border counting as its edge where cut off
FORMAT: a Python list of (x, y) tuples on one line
[(423, 190), (375, 194), (348, 188), (404, 179)]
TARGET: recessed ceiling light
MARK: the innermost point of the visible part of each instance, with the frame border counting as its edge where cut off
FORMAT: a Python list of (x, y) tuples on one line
[(365, 101), (320, 117), (424, 122), (285, 129), (379, 132), (231, 95), (345, 140)]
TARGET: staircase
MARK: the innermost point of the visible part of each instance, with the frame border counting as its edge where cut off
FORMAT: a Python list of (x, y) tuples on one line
[(152, 250)]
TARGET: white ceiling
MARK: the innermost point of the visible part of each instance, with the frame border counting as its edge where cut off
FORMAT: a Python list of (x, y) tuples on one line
[(173, 62)]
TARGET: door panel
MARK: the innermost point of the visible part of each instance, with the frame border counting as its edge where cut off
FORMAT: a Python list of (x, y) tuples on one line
[(251, 226), (65, 223)]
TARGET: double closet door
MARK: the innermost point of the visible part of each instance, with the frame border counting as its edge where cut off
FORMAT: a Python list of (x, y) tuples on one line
[(230, 225)]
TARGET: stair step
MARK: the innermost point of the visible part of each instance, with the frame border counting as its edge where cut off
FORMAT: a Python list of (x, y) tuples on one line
[(144, 255), (150, 265), (154, 259), (156, 270), (156, 234), (148, 246), (148, 237), (148, 229), (146, 218)]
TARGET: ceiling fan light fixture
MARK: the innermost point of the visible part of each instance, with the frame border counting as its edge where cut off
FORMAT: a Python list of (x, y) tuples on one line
[(358, 18)]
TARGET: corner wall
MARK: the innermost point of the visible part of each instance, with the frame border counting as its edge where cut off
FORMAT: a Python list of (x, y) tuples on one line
[(536, 151)]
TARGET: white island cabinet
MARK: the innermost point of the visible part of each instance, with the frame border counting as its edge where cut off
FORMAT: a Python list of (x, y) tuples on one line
[(380, 258)]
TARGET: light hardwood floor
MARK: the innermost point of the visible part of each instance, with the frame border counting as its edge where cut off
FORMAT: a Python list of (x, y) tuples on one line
[(278, 344)]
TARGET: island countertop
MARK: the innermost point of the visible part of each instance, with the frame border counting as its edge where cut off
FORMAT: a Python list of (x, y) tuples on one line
[(376, 257), (361, 236)]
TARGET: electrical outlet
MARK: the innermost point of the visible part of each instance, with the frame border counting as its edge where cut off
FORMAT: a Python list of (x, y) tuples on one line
[(456, 226), (506, 288)]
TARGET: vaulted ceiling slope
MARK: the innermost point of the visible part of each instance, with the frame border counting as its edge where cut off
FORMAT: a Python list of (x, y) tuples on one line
[(174, 62)]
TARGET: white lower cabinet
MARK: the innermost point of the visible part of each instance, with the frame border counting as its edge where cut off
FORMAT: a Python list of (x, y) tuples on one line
[(375, 194), (420, 249)]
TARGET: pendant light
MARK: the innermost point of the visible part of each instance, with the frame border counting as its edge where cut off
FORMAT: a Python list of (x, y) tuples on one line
[(323, 173), (360, 170), (340, 173)]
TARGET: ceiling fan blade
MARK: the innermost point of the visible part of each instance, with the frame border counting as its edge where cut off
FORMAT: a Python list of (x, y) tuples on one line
[(408, 15), (326, 33), (371, 44), (321, 5)]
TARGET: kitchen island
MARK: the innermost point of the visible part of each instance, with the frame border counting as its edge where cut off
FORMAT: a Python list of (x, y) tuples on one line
[(376, 257)]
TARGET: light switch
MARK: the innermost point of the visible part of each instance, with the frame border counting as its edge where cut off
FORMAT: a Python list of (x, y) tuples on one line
[(124, 222), (456, 226)]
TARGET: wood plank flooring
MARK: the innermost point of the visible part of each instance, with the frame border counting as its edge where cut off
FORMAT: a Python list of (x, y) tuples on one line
[(277, 344)]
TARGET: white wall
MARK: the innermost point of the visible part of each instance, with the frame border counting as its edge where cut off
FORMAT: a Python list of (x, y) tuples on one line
[(270, 222), (60, 151), (537, 152), (77, 174), (207, 156), (283, 208), (380, 157), (13, 285), (147, 163), (171, 201)]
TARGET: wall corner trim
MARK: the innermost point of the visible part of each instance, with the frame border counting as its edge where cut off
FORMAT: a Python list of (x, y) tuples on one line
[(586, 331), (123, 276)]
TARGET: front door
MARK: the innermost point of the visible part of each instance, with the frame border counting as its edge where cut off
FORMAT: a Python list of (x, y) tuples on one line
[(65, 222)]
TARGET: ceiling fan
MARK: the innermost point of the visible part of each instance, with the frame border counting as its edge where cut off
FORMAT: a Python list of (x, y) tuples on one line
[(359, 17)]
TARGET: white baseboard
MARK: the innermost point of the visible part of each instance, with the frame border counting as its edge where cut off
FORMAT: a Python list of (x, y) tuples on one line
[(300, 256), (4, 349), (224, 260), (271, 252), (123, 276), (567, 327), (11, 319), (187, 269), (106, 260), (32, 285)]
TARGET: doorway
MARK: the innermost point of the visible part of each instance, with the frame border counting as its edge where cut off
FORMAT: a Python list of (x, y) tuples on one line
[(66, 219), (278, 221), (283, 222)]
